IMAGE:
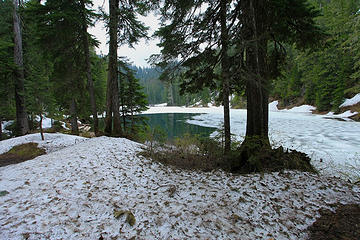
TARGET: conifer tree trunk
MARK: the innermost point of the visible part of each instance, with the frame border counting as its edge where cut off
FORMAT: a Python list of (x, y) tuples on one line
[(1, 133), (21, 116), (257, 84), (73, 117), (113, 119), (225, 75), (170, 94), (88, 71), (108, 118), (41, 128)]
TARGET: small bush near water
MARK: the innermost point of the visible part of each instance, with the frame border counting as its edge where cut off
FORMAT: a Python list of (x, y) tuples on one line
[(21, 153)]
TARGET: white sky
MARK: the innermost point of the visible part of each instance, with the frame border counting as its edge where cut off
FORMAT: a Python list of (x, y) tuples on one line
[(140, 52)]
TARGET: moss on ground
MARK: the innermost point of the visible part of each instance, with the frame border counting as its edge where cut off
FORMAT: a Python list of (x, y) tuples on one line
[(21, 153)]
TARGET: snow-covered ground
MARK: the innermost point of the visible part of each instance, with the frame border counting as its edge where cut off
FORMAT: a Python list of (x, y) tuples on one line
[(333, 145), (4, 124), (352, 101), (52, 142), (72, 193)]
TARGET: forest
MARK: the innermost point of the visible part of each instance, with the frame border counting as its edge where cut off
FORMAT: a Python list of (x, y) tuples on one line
[(299, 53), (255, 175), (323, 76)]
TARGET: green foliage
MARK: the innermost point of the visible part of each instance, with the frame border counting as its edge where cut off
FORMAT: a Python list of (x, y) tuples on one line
[(132, 98), (154, 89), (324, 76), (7, 103), (58, 28)]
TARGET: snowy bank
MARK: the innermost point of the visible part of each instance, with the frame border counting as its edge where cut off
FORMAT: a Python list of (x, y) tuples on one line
[(352, 101), (332, 145), (72, 194), (345, 115), (273, 107), (52, 142), (4, 124)]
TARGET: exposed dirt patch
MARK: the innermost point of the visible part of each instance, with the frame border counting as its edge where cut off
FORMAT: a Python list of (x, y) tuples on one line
[(21, 153), (344, 224)]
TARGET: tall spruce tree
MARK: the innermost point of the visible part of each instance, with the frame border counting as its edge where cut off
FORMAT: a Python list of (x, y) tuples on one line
[(124, 28), (199, 34), (22, 124), (265, 27), (86, 21), (6, 62), (250, 34), (61, 30), (132, 98)]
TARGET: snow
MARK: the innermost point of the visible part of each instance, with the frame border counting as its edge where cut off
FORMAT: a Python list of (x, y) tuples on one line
[(332, 145), (273, 106), (352, 101), (154, 110), (4, 124), (46, 122), (72, 194), (344, 115), (52, 142), (160, 105), (301, 109)]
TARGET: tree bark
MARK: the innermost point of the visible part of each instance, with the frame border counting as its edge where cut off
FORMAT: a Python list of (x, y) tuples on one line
[(88, 70), (73, 117), (113, 119), (257, 84), (1, 133), (41, 128), (171, 101), (21, 115), (225, 67)]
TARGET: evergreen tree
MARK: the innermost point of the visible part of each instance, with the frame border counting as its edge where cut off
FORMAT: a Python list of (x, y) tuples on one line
[(61, 30), (124, 28), (86, 21), (132, 98), (22, 124), (265, 27), (7, 64), (199, 33), (325, 75)]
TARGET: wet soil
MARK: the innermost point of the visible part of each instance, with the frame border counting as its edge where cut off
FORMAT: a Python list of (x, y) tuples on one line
[(344, 224)]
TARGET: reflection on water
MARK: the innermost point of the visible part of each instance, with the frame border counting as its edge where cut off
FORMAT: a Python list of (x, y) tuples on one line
[(174, 124)]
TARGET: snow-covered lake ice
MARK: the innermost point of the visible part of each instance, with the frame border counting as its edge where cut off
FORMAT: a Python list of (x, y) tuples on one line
[(333, 145)]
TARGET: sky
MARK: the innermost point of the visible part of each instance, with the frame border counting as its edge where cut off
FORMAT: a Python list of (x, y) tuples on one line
[(140, 52)]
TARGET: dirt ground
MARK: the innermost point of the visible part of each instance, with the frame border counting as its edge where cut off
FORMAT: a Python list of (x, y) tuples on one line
[(344, 224)]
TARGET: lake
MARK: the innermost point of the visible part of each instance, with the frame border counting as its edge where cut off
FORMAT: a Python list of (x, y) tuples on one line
[(175, 125)]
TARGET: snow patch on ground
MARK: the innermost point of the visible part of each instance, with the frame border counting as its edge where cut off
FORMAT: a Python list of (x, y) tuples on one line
[(72, 193), (344, 115), (174, 109), (352, 101), (4, 124), (301, 109), (332, 145), (46, 122), (160, 105), (52, 142), (273, 106)]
